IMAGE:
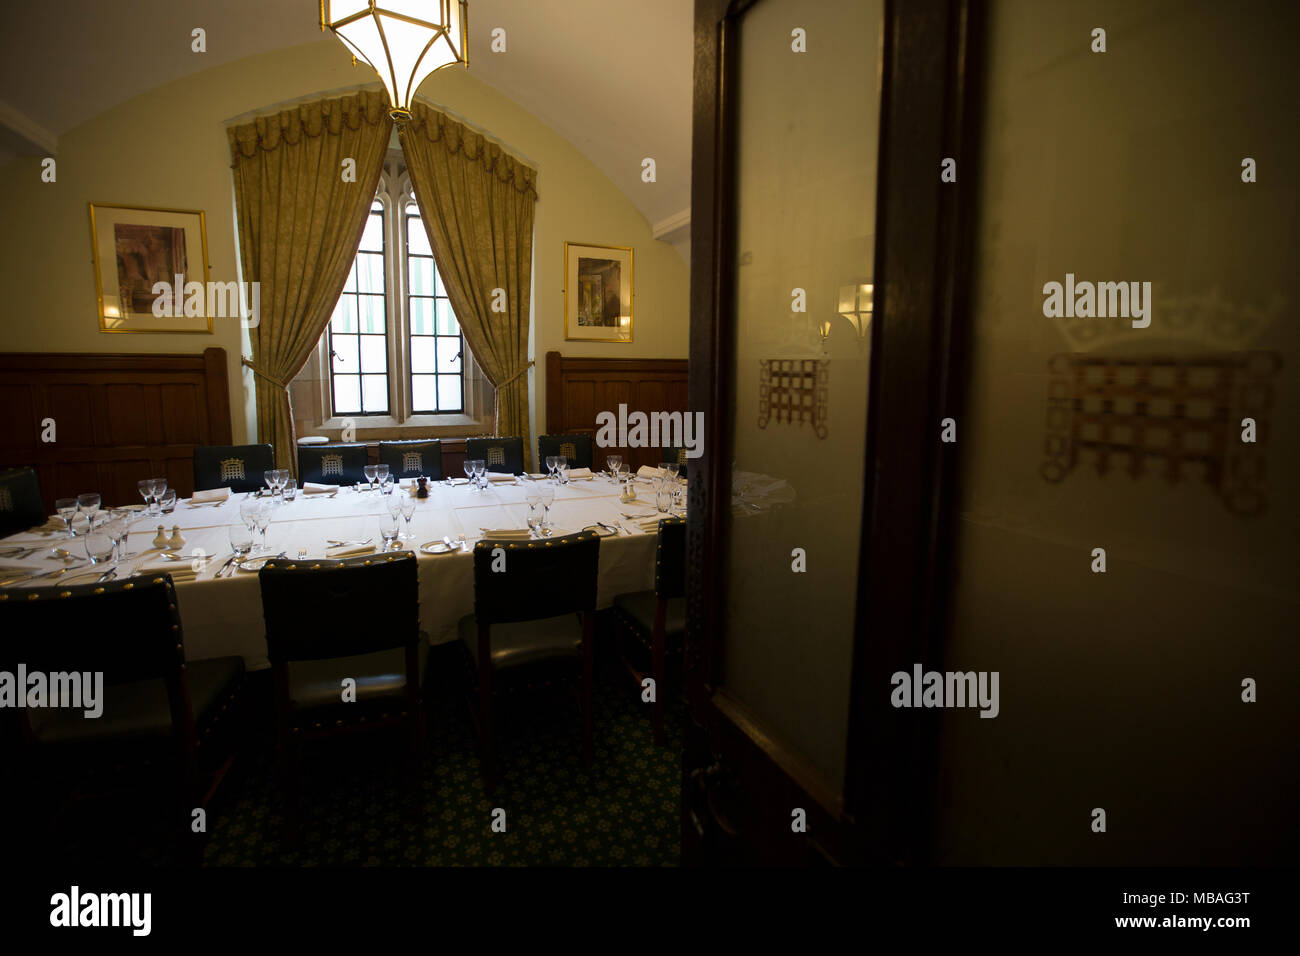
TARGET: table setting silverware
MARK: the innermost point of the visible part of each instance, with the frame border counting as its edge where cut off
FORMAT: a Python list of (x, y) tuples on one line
[(342, 544)]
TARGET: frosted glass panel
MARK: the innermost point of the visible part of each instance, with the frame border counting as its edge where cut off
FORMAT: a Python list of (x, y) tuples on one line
[(805, 219)]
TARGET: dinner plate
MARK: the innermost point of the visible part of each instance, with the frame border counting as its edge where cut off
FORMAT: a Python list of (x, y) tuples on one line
[(439, 547), (255, 565), (601, 532)]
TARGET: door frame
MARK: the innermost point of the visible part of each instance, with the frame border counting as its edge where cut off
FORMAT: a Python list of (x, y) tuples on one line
[(930, 109)]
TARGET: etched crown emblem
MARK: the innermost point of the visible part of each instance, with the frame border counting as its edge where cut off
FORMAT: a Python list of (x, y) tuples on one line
[(331, 465), (232, 468)]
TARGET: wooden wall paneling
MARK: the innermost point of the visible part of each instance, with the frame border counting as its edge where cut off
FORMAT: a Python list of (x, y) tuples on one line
[(579, 388), (118, 418)]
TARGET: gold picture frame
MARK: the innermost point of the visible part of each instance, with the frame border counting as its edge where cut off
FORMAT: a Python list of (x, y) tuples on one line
[(598, 293), (146, 245)]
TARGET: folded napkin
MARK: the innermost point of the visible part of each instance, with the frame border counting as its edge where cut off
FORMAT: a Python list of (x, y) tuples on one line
[(648, 471), (507, 534), (649, 525), (211, 495), (179, 570), (536, 477), (50, 527), (311, 488), (495, 476), (579, 472), (348, 550), (459, 481)]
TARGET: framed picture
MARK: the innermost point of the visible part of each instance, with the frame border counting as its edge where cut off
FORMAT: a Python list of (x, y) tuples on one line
[(597, 293), (137, 247)]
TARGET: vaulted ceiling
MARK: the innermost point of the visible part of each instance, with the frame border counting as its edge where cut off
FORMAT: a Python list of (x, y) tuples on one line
[(611, 76)]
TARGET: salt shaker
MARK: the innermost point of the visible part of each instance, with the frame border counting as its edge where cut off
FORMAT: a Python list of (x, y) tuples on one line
[(176, 542), (160, 539)]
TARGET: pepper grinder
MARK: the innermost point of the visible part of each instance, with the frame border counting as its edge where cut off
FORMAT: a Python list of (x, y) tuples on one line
[(422, 491), (176, 542), (160, 539)]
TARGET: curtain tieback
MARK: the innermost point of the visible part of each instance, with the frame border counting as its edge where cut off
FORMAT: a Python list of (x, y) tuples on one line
[(521, 372), (258, 370)]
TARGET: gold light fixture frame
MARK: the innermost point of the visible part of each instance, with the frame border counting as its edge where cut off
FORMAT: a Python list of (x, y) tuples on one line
[(402, 90)]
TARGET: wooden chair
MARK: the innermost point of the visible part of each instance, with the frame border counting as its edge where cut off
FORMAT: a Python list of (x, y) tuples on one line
[(21, 506), (237, 467), (503, 455), (158, 709), (576, 448), (419, 458), (538, 611), (332, 464), (657, 619), (327, 621)]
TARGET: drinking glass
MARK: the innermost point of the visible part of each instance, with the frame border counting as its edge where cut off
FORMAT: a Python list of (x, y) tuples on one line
[(241, 540), (394, 505), (480, 473), (271, 477), (248, 513), (167, 501), (381, 472), (552, 462), (116, 531), (407, 507), (99, 547), (534, 498), (669, 469), (388, 531), (289, 490), (547, 496), (469, 468), (263, 519), (664, 499), (562, 470), (370, 472), (145, 488), (386, 483), (614, 463), (159, 489), (87, 505), (66, 508)]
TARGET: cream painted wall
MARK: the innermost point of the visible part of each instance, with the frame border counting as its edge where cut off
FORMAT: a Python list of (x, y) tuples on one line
[(1122, 690), (168, 148)]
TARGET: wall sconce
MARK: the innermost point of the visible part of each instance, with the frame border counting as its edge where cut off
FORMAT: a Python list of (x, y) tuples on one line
[(856, 306)]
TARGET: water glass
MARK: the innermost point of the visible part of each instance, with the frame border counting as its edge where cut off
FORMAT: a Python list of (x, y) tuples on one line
[(388, 531), (386, 482), (99, 547), (248, 512), (241, 539), (290, 489), (381, 473), (562, 470), (66, 508), (263, 519), (167, 501), (664, 500), (159, 489), (480, 471), (615, 464), (669, 470), (370, 472)]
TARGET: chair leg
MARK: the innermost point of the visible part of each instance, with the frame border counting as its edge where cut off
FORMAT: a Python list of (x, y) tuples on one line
[(588, 679), (286, 752), (486, 743), (658, 642)]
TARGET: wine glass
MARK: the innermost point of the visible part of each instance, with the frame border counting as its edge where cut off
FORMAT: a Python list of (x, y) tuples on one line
[(534, 498), (66, 508), (116, 530), (370, 472), (469, 468), (663, 499), (145, 488), (669, 470), (289, 490), (382, 473), (407, 507), (248, 513), (159, 489), (270, 476), (615, 464), (394, 505), (547, 497), (552, 462), (99, 547), (87, 505), (263, 519), (562, 470)]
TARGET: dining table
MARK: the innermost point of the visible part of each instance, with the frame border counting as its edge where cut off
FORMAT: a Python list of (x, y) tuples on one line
[(221, 610)]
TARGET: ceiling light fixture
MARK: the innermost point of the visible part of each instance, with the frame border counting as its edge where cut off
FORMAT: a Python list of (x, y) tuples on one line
[(403, 40)]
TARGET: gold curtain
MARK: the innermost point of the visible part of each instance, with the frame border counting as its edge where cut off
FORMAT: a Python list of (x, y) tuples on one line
[(300, 224), (477, 202)]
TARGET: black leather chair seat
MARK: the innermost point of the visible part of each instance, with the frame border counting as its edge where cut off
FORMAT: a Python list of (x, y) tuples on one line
[(639, 608), (380, 676), (140, 711), (527, 642)]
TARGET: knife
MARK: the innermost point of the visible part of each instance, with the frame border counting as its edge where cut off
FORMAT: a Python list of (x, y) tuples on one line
[(224, 566)]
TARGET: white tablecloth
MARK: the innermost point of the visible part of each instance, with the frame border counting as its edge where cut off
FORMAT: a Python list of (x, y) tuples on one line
[(224, 616)]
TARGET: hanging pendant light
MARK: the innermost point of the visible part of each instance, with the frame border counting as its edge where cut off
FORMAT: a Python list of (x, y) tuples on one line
[(403, 40)]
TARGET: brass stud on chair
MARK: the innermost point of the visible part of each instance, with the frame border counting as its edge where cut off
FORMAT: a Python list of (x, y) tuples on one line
[(128, 586), (64, 594), (33, 597)]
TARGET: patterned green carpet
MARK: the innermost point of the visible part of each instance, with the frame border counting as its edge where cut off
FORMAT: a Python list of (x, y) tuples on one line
[(357, 810)]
